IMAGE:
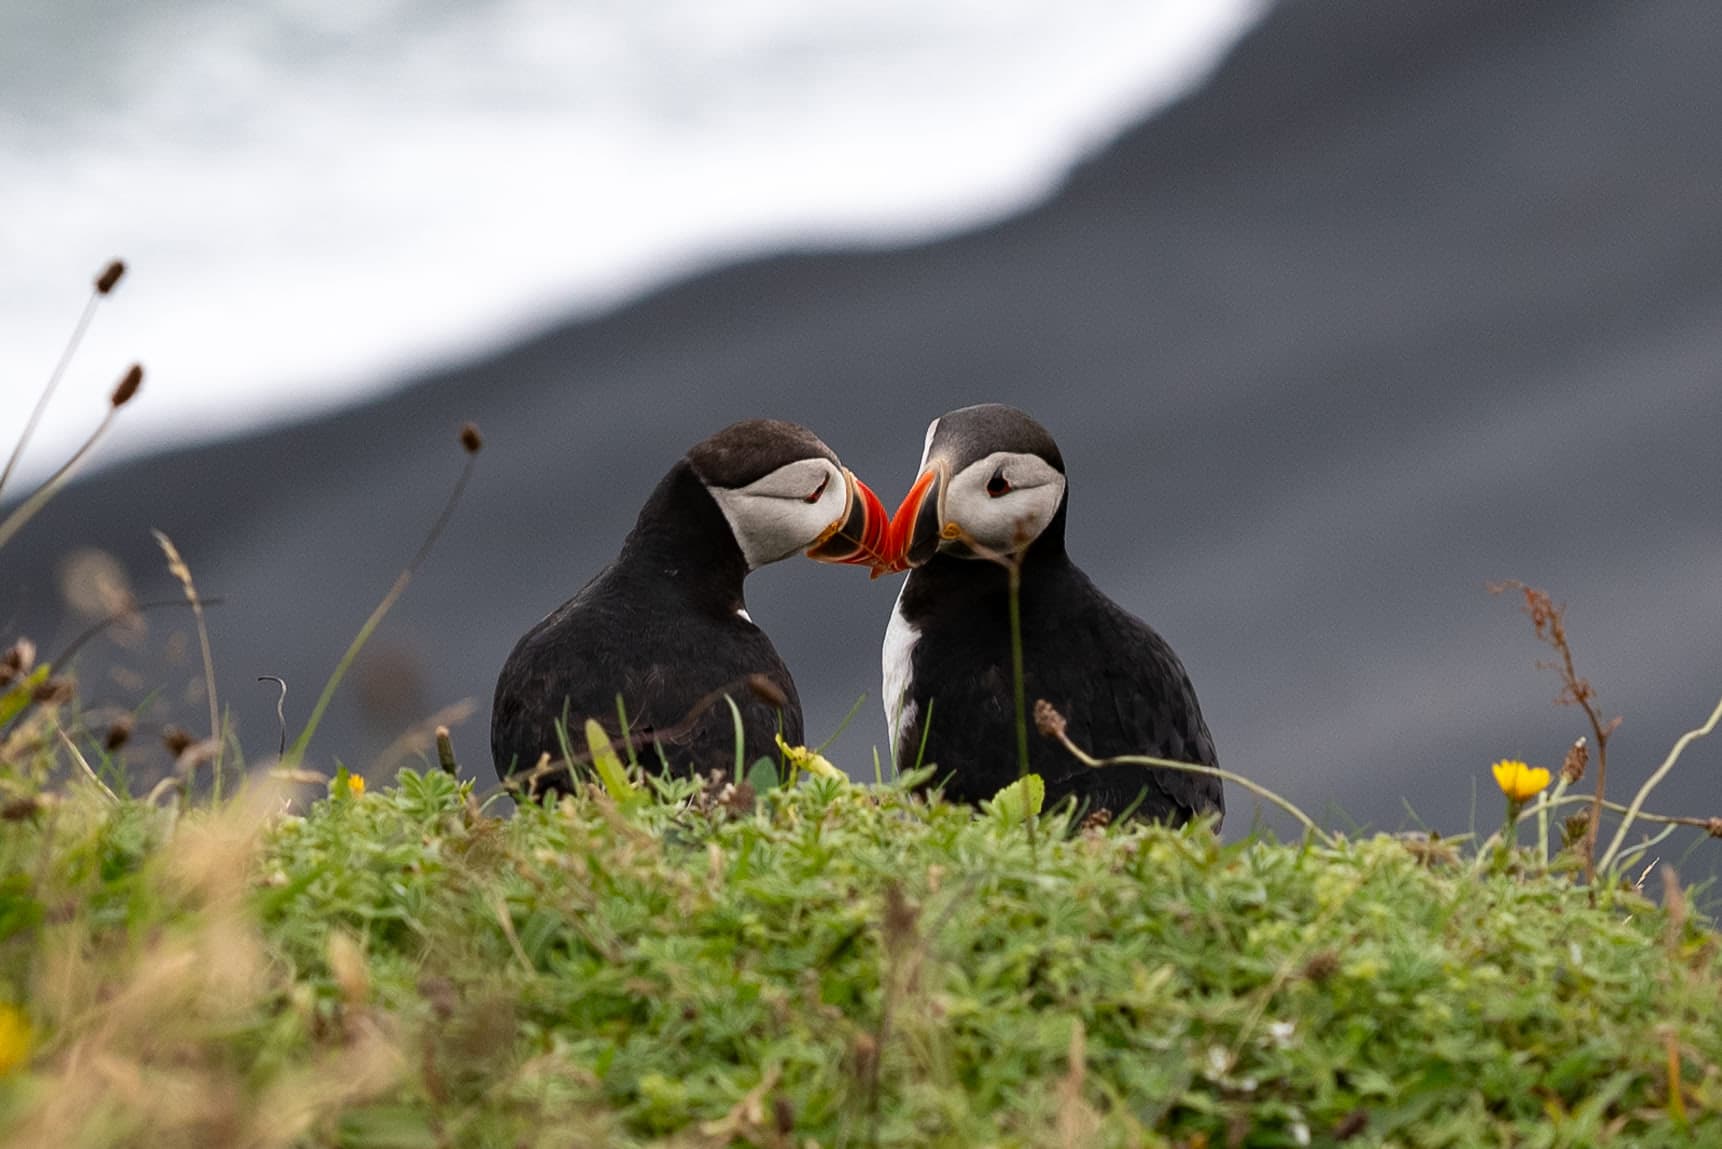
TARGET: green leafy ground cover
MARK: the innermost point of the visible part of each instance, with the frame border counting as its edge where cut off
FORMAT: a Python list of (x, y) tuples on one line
[(824, 964)]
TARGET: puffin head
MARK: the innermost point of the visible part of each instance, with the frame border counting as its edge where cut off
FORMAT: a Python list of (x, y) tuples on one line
[(991, 483), (782, 490)]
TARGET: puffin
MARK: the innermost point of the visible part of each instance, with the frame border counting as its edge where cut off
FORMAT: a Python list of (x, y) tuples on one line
[(665, 625), (992, 492)]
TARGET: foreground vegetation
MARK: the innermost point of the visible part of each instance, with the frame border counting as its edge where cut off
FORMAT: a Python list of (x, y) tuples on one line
[(819, 964), (816, 964)]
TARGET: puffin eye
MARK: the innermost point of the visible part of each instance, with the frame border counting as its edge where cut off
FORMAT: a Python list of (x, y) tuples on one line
[(818, 491), (998, 484)]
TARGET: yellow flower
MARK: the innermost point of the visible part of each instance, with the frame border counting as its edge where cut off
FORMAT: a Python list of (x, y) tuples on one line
[(811, 761), (353, 782), (15, 1039), (1518, 781)]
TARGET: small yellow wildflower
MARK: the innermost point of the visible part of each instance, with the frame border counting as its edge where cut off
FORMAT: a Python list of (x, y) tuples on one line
[(811, 761), (15, 1039), (356, 784), (1519, 782)]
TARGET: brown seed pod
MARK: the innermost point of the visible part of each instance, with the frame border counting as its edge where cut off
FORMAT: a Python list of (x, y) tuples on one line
[(119, 733), (176, 739), (110, 276), (127, 386), (1047, 719)]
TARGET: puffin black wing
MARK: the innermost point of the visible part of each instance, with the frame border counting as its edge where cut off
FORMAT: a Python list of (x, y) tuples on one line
[(612, 640), (1129, 695), (665, 625), (992, 495)]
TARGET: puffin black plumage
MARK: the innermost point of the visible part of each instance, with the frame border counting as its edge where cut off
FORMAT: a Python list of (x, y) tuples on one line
[(992, 486), (665, 624)]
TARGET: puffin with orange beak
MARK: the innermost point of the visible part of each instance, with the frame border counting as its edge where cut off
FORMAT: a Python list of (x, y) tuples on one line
[(992, 492), (665, 625)]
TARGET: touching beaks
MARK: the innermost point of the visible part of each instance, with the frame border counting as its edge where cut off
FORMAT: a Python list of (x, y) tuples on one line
[(860, 535), (915, 528)]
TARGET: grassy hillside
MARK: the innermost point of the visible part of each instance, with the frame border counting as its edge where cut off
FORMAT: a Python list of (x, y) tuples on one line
[(812, 964), (823, 964)]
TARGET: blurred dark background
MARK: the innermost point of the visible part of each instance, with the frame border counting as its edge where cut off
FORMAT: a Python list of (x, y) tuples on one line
[(1408, 297)]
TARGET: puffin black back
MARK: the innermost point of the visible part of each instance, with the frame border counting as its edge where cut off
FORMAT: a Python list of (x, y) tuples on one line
[(662, 626), (665, 624), (992, 493)]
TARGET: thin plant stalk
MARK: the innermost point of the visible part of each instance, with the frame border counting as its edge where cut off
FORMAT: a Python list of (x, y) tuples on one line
[(1016, 670), (740, 739), (39, 498), (121, 615), (103, 285), (296, 752), (1253, 787), (1549, 621), (78, 757), (177, 566), (1549, 803), (843, 725), (1653, 781), (1542, 811), (1557, 800)]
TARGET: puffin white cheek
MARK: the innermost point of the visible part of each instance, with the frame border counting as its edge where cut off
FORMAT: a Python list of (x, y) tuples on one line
[(1006, 522), (768, 529), (771, 519), (1012, 521)]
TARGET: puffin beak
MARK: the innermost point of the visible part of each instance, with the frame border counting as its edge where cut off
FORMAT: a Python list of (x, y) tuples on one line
[(860, 536), (915, 527)]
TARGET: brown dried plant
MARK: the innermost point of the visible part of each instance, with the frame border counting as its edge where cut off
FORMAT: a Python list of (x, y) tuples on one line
[(1548, 620)]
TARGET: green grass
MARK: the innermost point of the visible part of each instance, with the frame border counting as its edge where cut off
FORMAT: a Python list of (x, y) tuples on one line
[(836, 965), (806, 965)]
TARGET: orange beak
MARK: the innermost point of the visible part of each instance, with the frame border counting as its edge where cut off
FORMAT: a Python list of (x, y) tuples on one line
[(914, 533), (861, 535)]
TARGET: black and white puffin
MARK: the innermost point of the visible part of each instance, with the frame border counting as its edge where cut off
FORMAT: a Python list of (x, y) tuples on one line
[(992, 486), (665, 624)]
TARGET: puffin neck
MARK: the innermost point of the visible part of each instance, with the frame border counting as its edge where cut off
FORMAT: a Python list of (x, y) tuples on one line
[(683, 537), (948, 575)]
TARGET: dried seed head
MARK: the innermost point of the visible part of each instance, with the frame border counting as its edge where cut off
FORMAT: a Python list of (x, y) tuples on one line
[(470, 438), (26, 807), (767, 691), (1573, 829), (127, 386), (119, 733), (17, 661), (1578, 757), (864, 1054), (54, 691), (1097, 820), (445, 752), (351, 971), (1714, 827), (1429, 849), (737, 797), (1048, 720), (1351, 1125), (110, 276), (195, 755), (901, 916), (176, 739), (1321, 965), (441, 994)]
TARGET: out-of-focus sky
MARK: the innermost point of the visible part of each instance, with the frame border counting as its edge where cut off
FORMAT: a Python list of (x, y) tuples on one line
[(319, 197)]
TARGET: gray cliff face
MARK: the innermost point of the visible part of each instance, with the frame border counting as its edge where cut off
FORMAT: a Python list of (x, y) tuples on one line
[(1410, 297)]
